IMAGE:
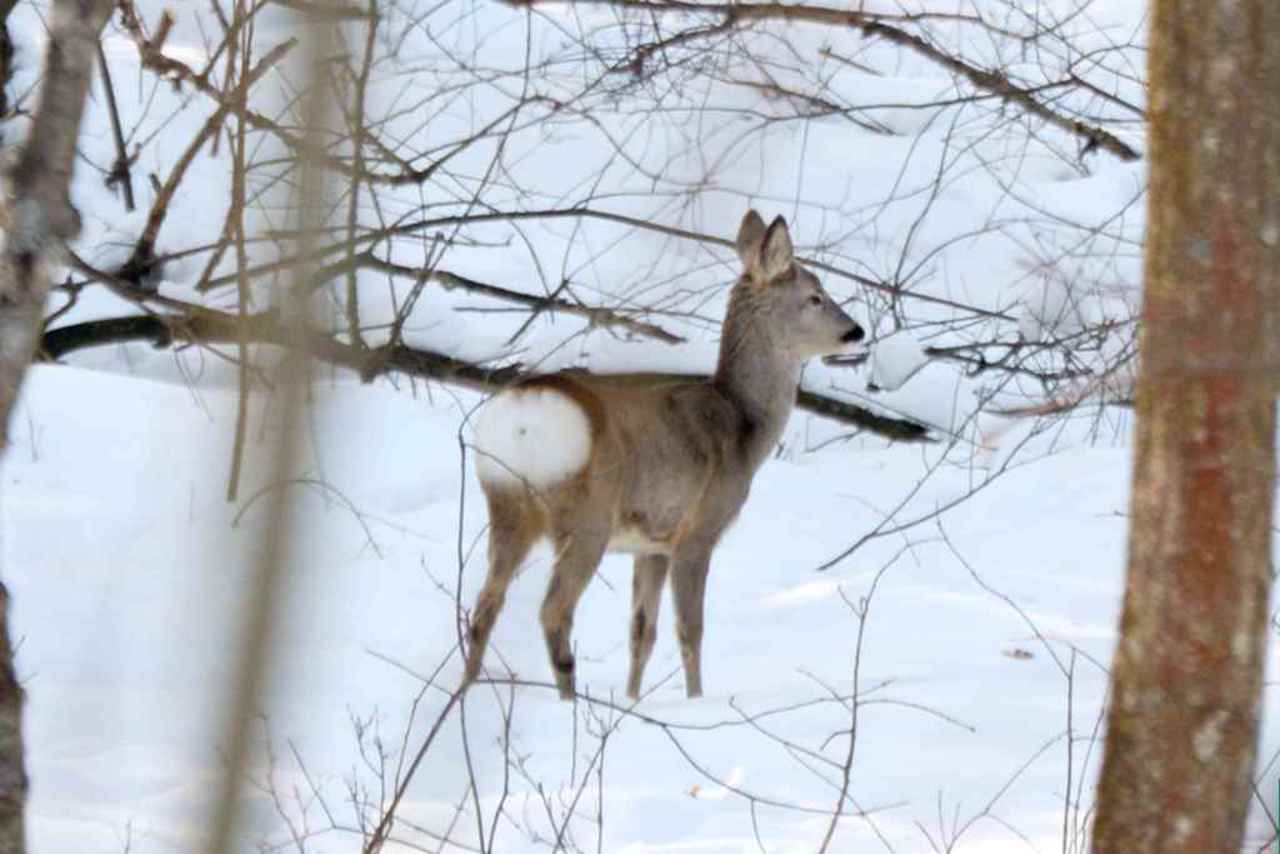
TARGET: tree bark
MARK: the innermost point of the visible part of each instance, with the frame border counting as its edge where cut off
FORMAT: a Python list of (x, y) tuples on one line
[(6, 58), (1187, 678), (39, 218)]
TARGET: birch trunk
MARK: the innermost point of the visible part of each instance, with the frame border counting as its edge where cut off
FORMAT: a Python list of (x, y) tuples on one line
[(38, 218)]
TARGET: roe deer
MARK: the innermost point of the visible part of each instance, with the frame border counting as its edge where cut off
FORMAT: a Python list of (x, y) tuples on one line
[(601, 463)]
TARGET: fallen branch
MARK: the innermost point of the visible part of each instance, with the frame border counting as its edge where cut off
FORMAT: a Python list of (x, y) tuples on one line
[(204, 326)]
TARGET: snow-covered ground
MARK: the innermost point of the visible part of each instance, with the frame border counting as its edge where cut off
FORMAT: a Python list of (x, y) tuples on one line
[(984, 640), (978, 635), (127, 569)]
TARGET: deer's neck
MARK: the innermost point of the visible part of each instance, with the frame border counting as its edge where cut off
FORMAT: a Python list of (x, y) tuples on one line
[(758, 375)]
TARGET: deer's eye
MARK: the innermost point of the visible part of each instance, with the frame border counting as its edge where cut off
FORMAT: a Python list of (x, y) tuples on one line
[(815, 300)]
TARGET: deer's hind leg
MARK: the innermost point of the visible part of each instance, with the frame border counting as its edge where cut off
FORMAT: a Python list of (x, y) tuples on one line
[(646, 600), (515, 522), (578, 552)]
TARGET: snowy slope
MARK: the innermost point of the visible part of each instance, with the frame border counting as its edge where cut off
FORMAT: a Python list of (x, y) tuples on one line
[(126, 566)]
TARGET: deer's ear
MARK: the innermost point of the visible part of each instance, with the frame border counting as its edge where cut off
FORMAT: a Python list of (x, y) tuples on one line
[(776, 254), (750, 239)]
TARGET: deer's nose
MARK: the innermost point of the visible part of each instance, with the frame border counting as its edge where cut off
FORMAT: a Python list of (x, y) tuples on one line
[(854, 334)]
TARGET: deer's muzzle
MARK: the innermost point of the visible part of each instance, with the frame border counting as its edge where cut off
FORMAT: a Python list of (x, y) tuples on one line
[(854, 334)]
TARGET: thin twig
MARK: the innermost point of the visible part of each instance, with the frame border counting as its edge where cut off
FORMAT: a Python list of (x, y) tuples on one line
[(120, 169)]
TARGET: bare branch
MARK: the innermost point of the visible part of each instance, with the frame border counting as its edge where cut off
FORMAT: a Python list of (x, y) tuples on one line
[(874, 25)]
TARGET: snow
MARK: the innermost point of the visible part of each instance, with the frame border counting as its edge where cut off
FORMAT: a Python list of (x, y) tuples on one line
[(979, 629), (126, 568), (895, 359), (535, 436)]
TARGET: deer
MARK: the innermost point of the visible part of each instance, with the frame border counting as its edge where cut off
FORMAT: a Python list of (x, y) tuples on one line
[(600, 463)]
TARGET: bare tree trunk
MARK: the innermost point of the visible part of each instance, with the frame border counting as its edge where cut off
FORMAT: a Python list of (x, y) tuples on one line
[(40, 215), (39, 218), (6, 58), (269, 578), (1188, 671)]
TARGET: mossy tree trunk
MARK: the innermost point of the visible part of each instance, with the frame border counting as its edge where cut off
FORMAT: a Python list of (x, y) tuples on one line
[(1187, 679)]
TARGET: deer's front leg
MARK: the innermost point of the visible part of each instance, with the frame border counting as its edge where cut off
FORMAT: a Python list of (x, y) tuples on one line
[(689, 586)]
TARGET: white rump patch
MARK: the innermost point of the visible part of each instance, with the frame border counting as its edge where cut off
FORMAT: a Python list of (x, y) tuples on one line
[(538, 436)]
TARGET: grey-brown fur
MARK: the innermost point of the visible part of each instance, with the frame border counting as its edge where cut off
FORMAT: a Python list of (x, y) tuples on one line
[(670, 465)]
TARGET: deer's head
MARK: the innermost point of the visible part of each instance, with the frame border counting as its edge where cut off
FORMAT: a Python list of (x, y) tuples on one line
[(802, 317)]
